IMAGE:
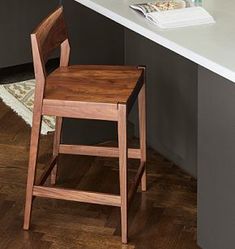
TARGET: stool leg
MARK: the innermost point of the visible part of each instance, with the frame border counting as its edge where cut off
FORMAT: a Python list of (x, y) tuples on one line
[(122, 143), (56, 144), (34, 144), (142, 132)]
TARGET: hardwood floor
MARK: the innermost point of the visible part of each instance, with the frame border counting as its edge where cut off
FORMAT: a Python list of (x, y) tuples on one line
[(163, 218)]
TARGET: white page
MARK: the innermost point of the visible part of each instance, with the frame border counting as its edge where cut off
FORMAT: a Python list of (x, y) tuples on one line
[(181, 17)]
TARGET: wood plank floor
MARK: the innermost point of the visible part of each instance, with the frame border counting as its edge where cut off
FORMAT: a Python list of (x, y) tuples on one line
[(163, 218)]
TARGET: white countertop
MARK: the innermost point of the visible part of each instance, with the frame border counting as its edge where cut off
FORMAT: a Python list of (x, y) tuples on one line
[(211, 46)]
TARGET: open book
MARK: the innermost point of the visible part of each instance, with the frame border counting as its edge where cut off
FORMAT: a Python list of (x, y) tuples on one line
[(174, 13)]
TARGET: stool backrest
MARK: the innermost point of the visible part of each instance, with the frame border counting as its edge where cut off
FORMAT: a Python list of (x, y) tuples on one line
[(48, 36)]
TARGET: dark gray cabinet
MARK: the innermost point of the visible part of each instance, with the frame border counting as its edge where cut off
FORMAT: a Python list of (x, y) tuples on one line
[(94, 38), (17, 21)]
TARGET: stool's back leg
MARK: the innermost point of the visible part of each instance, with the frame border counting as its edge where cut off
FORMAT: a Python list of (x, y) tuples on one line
[(56, 145), (142, 132)]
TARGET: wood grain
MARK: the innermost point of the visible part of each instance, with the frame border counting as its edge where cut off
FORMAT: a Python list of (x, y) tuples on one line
[(78, 109), (97, 151), (123, 171), (136, 181), (76, 195), (142, 131), (51, 33), (102, 84), (52, 163), (56, 144)]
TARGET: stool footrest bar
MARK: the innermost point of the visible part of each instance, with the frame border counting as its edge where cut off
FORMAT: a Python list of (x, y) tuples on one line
[(134, 184), (97, 151), (76, 195), (47, 171)]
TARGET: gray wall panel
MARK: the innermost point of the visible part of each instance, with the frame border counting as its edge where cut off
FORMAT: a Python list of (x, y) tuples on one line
[(216, 161)]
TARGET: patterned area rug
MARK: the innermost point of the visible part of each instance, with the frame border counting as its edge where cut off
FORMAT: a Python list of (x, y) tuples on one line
[(20, 97)]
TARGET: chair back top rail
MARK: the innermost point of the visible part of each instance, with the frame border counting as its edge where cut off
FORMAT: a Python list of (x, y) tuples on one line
[(51, 33)]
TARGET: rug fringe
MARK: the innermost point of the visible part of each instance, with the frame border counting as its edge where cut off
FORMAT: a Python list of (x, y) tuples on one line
[(21, 110)]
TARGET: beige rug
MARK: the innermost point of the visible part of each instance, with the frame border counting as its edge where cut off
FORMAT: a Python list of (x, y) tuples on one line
[(20, 97)]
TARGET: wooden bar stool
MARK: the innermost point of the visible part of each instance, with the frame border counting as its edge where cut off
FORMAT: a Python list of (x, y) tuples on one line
[(86, 92)]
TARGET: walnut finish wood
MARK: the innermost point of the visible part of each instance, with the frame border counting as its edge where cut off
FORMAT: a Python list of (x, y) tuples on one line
[(164, 217), (35, 133), (65, 53), (56, 144), (89, 92), (136, 181), (142, 131), (123, 171), (97, 151), (99, 84), (78, 109), (51, 33), (47, 171), (76, 195)]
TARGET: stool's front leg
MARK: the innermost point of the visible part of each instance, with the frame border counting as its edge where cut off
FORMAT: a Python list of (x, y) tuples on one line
[(34, 144)]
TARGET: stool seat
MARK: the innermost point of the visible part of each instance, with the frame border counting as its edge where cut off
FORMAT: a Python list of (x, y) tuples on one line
[(88, 83)]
